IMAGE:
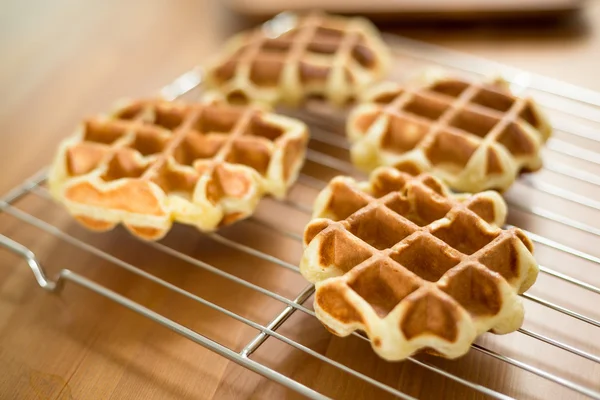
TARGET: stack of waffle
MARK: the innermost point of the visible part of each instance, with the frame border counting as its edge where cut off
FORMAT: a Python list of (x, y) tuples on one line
[(400, 257)]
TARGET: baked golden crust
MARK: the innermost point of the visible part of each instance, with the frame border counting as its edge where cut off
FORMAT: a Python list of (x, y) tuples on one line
[(152, 162), (414, 266), (472, 135), (296, 56)]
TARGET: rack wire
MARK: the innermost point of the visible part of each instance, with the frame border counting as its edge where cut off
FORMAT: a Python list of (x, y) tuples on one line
[(574, 112)]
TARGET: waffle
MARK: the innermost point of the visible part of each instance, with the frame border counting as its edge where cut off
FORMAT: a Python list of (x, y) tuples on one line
[(414, 266), (473, 135), (152, 162), (293, 57)]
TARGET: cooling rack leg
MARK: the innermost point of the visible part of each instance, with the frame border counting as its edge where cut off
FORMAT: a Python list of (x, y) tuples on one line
[(36, 267), (67, 275), (276, 322)]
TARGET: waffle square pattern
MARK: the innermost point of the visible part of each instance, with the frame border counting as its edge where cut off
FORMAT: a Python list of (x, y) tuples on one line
[(473, 135), (295, 56), (152, 162), (414, 266)]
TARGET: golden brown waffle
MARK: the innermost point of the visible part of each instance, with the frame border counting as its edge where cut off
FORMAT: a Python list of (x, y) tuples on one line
[(153, 162), (473, 135), (413, 266), (292, 57)]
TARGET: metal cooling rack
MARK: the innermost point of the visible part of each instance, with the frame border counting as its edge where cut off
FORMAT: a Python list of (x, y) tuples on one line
[(574, 112)]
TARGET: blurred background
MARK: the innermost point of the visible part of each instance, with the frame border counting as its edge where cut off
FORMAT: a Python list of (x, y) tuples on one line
[(66, 59)]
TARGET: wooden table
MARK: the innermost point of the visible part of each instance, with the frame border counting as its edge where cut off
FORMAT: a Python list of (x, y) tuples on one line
[(66, 59)]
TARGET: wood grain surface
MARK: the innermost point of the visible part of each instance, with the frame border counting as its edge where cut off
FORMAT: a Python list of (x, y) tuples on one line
[(66, 59)]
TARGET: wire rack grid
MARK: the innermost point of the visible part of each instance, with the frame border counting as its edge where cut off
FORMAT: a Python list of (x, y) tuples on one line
[(556, 207)]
